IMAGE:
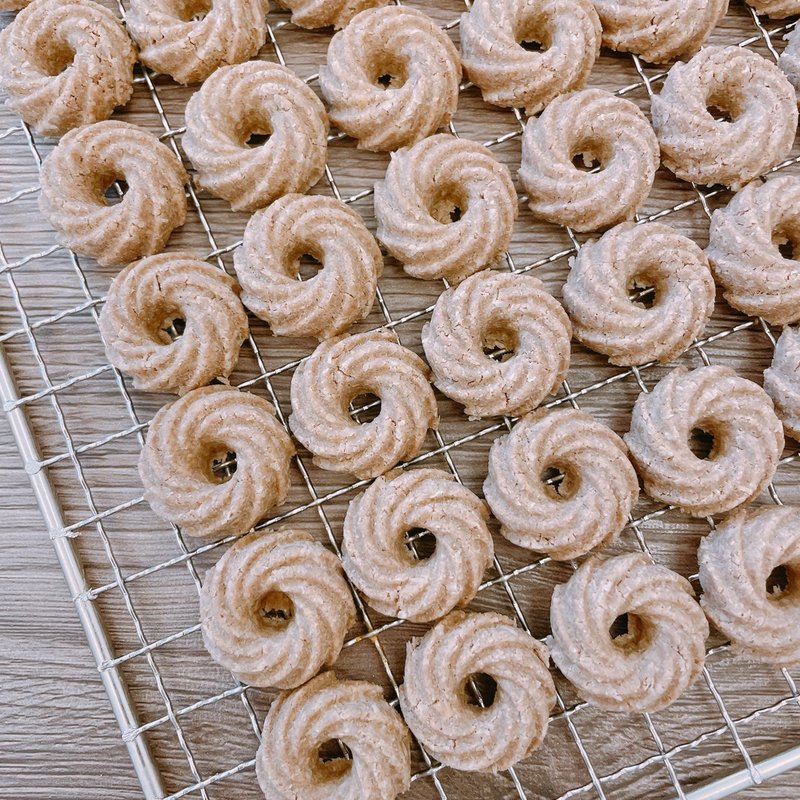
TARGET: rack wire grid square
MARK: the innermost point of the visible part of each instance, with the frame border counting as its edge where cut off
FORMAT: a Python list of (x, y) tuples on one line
[(191, 729)]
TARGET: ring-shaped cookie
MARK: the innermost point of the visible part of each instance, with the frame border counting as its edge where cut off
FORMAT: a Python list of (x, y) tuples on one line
[(597, 294), (508, 74), (757, 132), (268, 266), (658, 30), (736, 560), (435, 695), (340, 370), (744, 249), (587, 508), (147, 297), (322, 13), (789, 60), (655, 660), (275, 608), (377, 558), (776, 9), (85, 164), (189, 39), (189, 437), (446, 208), (782, 381), (513, 313), (258, 97), (737, 413), (288, 762), (391, 78), (65, 63), (599, 127)]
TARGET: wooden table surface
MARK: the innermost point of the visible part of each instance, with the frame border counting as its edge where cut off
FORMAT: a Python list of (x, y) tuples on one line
[(58, 738)]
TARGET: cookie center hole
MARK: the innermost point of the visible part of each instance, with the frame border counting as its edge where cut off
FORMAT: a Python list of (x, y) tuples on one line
[(779, 581), (276, 610), (56, 59), (629, 632), (642, 291), (532, 46), (115, 192), (788, 248), (499, 343), (448, 206), (192, 10), (558, 482), (365, 407), (173, 327), (701, 443), (480, 690), (223, 466), (308, 266), (420, 543), (390, 76), (586, 162), (335, 759), (257, 138)]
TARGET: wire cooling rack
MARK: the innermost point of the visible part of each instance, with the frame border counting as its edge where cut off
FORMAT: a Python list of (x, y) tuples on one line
[(190, 728)]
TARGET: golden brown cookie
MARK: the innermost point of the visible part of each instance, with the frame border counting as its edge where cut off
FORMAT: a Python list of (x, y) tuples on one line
[(189, 437), (384, 569), (391, 78), (777, 9), (85, 164), (275, 608), (435, 695), (655, 660), (65, 63)]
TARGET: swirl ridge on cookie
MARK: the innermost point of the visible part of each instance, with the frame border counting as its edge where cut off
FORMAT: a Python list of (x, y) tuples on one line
[(288, 573), (354, 712), (176, 40), (736, 562), (744, 253), (322, 13), (434, 701), (776, 9), (84, 38), (789, 60), (185, 439), (597, 293), (755, 94), (659, 30), (782, 381), (599, 126), (507, 74), (737, 413), (655, 661), (255, 97), (425, 71), (341, 369), (498, 309), (146, 296), (589, 507), (268, 265), (378, 561), (414, 206)]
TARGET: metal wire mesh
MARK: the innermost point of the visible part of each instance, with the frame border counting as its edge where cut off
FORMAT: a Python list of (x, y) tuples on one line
[(578, 749)]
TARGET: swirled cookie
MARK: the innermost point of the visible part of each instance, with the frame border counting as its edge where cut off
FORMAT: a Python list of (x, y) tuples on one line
[(737, 413), (189, 39), (736, 562), (335, 374), (391, 78), (744, 249), (588, 508), (446, 208), (498, 310), (268, 266), (789, 60), (658, 30), (322, 13), (254, 98), (602, 276), (378, 560), (435, 700), (288, 762), (597, 126), (659, 656), (65, 63), (84, 164), (142, 303), (185, 441), (275, 609), (782, 381), (761, 118), (510, 75), (13, 5), (776, 9)]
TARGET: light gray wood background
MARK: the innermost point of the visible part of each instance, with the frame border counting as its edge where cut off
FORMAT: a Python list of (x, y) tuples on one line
[(57, 736)]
